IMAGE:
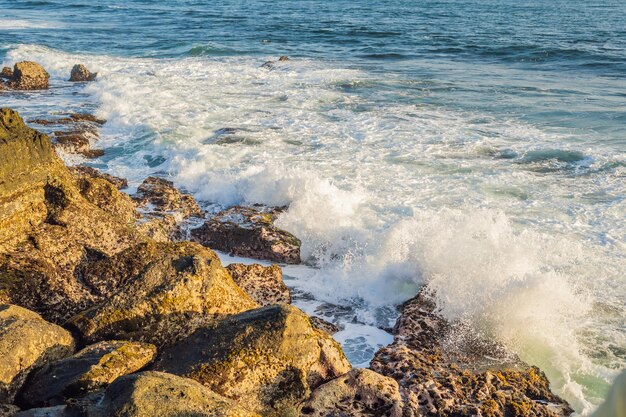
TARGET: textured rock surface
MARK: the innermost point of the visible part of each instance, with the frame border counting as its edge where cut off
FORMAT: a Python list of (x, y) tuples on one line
[(249, 232), (169, 298), (83, 171), (91, 369), (77, 142), (29, 75), (8, 410), (26, 342), (267, 359), (6, 73), (81, 73), (360, 392), (326, 326), (442, 374), (160, 195), (264, 284)]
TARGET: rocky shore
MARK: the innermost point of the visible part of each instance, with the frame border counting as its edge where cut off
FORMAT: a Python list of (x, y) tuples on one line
[(106, 309)]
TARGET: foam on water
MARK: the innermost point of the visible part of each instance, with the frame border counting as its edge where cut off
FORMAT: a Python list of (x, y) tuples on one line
[(517, 230)]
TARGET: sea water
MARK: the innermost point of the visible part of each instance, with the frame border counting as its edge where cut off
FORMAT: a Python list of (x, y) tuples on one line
[(477, 148)]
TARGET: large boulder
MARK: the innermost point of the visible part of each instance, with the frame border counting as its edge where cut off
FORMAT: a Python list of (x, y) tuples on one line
[(268, 359), (264, 284), (80, 73), (444, 371), (52, 224), (360, 392), (91, 369), (249, 232), (29, 75), (183, 288), (27, 342)]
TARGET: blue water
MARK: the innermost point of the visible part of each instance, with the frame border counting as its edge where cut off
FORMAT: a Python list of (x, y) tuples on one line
[(476, 147)]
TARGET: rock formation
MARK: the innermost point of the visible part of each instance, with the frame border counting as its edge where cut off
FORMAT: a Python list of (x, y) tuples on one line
[(80, 73), (264, 284), (27, 75)]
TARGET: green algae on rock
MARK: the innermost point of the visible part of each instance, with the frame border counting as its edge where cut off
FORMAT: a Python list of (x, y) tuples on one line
[(268, 359), (91, 369), (26, 342)]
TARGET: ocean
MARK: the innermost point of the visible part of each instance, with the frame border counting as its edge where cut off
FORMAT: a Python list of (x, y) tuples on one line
[(474, 148)]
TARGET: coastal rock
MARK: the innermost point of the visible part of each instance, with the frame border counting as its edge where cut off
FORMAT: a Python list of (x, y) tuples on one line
[(26, 342), (162, 197), (6, 73), (283, 58), (8, 410), (443, 374), (91, 369), (102, 192), (164, 228), (48, 229), (82, 171), (249, 232), (71, 118), (58, 411), (267, 359), (29, 75), (81, 73), (77, 142), (323, 325), (360, 392), (149, 394), (168, 299), (264, 284)]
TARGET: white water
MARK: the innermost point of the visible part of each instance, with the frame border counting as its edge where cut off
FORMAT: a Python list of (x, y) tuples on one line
[(388, 196)]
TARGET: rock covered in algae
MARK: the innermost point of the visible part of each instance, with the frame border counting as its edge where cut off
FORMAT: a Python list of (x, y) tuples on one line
[(268, 359), (26, 342)]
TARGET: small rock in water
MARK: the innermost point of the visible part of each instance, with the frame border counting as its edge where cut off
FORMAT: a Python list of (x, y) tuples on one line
[(6, 73), (28, 75), (268, 65), (249, 232), (77, 142), (264, 284), (80, 73), (283, 58)]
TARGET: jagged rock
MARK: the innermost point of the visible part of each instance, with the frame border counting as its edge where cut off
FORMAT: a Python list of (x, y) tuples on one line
[(91, 369), (264, 284), (101, 192), (184, 287), (28, 75), (267, 359), (326, 326), (77, 142), (72, 118), (26, 342), (81, 73), (360, 392), (83, 171), (48, 229), (283, 58), (249, 232), (163, 197), (6, 73), (444, 372), (163, 228), (8, 410)]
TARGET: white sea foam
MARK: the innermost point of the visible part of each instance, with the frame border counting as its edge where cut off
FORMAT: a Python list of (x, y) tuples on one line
[(518, 231), (22, 24)]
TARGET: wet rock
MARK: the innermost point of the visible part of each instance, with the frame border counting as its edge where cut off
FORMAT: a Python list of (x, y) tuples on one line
[(268, 65), (443, 371), (6, 73), (360, 392), (268, 359), (283, 58), (323, 325), (149, 394), (264, 284), (83, 171), (81, 73), (91, 369), (8, 410), (77, 142), (162, 197), (26, 342), (249, 232), (48, 229), (169, 298), (58, 411), (29, 75)]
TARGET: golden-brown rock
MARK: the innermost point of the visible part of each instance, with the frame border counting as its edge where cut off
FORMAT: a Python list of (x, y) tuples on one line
[(29, 75), (264, 284)]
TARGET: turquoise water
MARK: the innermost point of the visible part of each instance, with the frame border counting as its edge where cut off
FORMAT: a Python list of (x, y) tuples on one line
[(476, 147)]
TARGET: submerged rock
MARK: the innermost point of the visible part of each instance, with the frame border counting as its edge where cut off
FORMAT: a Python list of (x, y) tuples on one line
[(442, 374), (81, 73), (28, 75), (360, 392), (249, 232), (264, 284), (179, 289), (27, 342), (91, 369), (268, 359)]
